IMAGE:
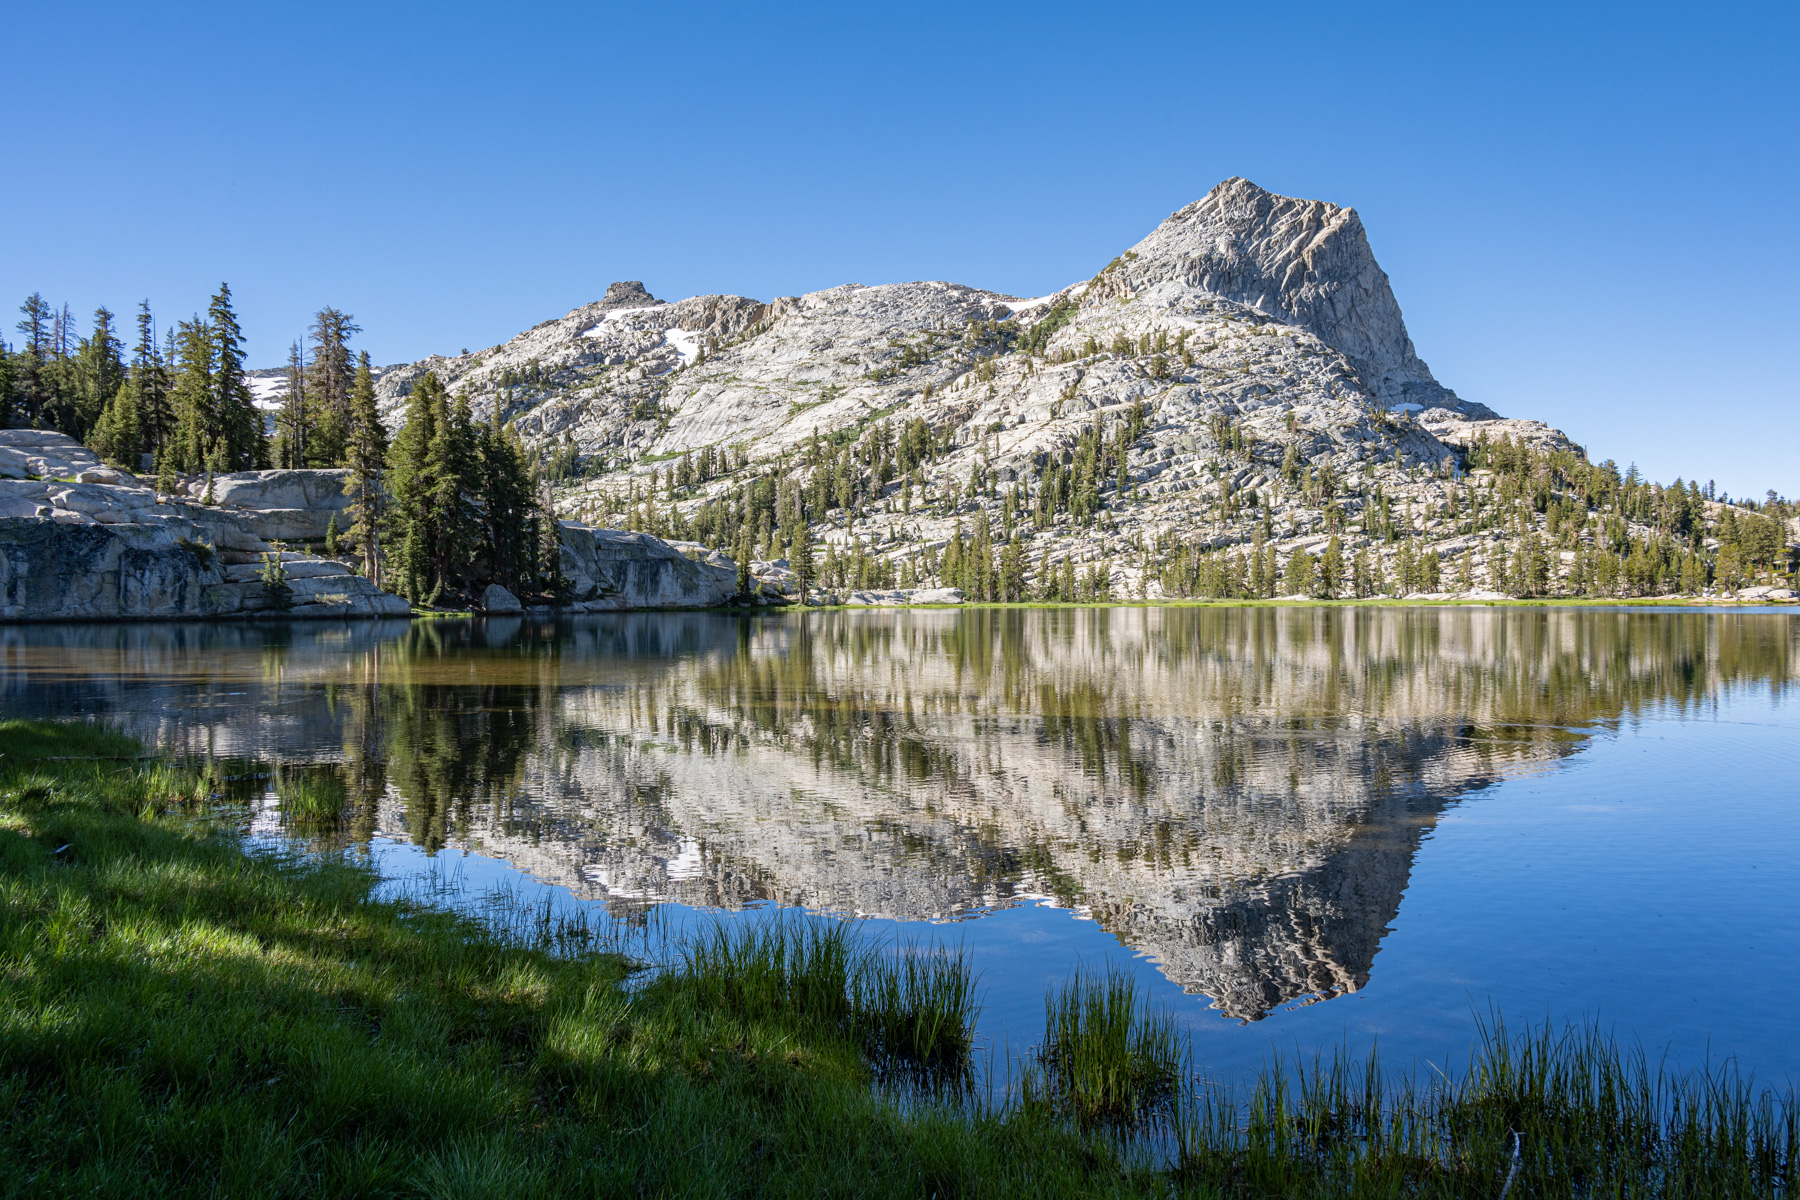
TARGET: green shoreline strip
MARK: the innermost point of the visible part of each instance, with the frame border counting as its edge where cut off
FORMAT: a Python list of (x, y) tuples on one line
[(182, 1017)]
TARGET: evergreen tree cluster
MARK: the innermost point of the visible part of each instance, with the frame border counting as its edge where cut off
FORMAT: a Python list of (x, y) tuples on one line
[(464, 511), (314, 427), (184, 402)]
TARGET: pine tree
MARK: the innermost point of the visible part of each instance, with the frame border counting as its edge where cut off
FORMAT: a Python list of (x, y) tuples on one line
[(149, 380), (507, 502), (240, 442), (8, 391), (741, 552), (412, 488), (1331, 569), (60, 377), (550, 578), (1302, 577), (367, 454), (1012, 570), (99, 370), (455, 468), (293, 422), (31, 383), (329, 383), (800, 557), (191, 437), (118, 435)]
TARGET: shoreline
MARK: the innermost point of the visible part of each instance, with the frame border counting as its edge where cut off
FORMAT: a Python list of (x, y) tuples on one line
[(1678, 603), (187, 1015)]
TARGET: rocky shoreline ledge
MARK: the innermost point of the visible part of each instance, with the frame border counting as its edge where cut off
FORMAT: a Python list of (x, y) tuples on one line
[(80, 540)]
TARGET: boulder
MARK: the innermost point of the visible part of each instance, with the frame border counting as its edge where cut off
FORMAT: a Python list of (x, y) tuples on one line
[(498, 600), (610, 570), (288, 505), (52, 570), (82, 541), (43, 454)]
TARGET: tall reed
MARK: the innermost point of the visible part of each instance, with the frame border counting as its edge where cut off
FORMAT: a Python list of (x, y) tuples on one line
[(1544, 1113), (911, 1008), (1105, 1060)]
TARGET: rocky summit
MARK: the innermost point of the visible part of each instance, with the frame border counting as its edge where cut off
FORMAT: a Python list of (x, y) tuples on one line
[(1242, 374)]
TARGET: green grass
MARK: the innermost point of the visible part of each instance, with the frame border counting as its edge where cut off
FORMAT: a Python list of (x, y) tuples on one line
[(312, 798), (1104, 1059), (181, 1017)]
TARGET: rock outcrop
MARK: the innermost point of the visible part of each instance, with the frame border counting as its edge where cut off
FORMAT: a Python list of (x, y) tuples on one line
[(285, 505), (82, 541), (112, 548), (1304, 263), (609, 570)]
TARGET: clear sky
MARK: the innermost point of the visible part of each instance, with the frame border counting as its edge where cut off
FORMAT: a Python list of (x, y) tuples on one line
[(1586, 210)]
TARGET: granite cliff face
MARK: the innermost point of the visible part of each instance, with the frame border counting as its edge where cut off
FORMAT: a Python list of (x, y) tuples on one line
[(1304, 263), (83, 541)]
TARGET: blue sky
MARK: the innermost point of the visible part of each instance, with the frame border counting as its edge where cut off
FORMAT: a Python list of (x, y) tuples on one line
[(1584, 209)]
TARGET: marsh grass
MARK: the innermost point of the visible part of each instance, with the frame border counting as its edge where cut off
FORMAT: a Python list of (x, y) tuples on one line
[(182, 1014), (312, 798), (1538, 1113), (910, 1009), (1105, 1059)]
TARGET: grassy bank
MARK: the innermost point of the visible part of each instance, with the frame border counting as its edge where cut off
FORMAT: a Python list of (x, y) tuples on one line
[(180, 1017)]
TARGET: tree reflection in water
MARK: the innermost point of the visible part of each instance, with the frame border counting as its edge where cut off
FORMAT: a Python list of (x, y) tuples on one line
[(1238, 792)]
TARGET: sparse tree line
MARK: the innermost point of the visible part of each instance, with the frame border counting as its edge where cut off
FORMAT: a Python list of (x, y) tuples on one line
[(449, 506), (1566, 528)]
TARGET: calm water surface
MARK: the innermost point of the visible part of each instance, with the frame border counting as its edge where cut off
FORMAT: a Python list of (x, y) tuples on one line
[(1300, 828)]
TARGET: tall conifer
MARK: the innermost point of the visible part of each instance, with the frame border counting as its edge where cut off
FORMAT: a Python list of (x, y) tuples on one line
[(150, 379), (190, 442), (31, 384), (507, 504), (412, 516), (99, 369), (455, 471), (293, 422), (366, 454), (330, 378), (241, 443), (118, 435), (8, 391)]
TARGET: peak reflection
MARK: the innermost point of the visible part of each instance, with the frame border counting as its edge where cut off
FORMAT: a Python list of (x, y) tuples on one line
[(1238, 793)]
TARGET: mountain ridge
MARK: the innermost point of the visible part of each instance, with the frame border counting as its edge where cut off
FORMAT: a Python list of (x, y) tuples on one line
[(1241, 376)]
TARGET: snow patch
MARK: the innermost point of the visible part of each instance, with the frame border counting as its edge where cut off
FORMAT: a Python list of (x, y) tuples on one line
[(1408, 406), (599, 330), (686, 344), (269, 392)]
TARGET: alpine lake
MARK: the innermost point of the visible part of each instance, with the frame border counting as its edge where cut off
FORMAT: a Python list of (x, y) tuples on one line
[(1300, 829)]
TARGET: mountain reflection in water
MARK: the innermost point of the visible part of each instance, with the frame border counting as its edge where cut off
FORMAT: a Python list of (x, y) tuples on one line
[(1236, 792)]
